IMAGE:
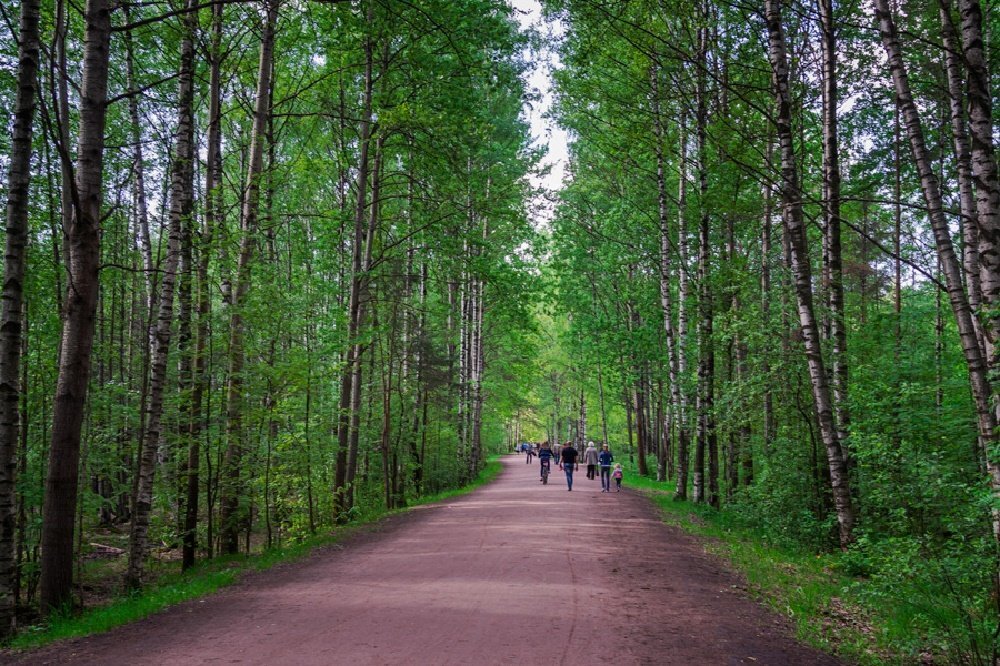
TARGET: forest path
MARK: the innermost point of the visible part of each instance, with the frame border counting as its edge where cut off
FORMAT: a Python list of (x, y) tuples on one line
[(514, 573)]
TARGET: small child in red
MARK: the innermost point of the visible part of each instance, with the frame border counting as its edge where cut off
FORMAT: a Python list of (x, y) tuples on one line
[(617, 476)]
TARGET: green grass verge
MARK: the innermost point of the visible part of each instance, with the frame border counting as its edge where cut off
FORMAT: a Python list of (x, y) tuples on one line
[(208, 577), (489, 474), (805, 588)]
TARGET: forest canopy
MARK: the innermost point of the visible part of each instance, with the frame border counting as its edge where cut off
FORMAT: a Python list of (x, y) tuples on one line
[(274, 266)]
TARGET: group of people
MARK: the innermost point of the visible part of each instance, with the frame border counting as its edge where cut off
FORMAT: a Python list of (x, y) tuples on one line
[(568, 460)]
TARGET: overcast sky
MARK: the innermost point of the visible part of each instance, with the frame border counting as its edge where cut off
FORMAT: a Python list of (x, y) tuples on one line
[(544, 131)]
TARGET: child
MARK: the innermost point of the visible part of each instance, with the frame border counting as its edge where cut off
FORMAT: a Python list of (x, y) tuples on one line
[(617, 476)]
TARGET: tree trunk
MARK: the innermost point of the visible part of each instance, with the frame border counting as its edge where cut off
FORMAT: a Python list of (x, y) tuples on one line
[(231, 516), (181, 201), (388, 495), (420, 407), (363, 298), (831, 214), (666, 295), (22, 470), (60, 85), (354, 301), (641, 427), (765, 306), (791, 200), (963, 162), (984, 172), (677, 389), (600, 394), (213, 216), (80, 315), (627, 400), (706, 443), (12, 313), (987, 180), (978, 377), (479, 367), (139, 180)]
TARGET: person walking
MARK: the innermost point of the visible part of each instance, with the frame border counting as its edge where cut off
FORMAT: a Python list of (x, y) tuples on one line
[(590, 458), (567, 462), (617, 474), (604, 459)]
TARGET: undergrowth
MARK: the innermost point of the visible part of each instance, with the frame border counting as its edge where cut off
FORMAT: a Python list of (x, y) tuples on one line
[(826, 605)]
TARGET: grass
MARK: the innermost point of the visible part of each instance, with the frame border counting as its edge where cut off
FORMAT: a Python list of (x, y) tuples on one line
[(805, 588), (208, 577), (489, 474)]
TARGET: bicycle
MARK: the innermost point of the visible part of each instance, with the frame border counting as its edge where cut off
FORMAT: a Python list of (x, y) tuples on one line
[(545, 472)]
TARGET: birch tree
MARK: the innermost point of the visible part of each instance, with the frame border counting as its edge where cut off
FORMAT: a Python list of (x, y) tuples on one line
[(12, 310)]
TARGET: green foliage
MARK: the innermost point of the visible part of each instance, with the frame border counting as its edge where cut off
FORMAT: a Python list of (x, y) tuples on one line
[(925, 555)]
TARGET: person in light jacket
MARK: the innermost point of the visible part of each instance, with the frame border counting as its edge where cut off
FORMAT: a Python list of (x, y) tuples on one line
[(590, 458)]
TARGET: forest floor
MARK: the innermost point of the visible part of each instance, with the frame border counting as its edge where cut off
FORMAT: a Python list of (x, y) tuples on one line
[(516, 572)]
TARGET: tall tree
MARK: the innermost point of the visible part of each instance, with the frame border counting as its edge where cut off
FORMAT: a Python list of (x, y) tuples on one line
[(232, 516), (12, 311), (954, 71), (707, 442), (213, 215), (351, 372), (181, 202), (832, 222), (930, 187), (83, 266), (791, 200)]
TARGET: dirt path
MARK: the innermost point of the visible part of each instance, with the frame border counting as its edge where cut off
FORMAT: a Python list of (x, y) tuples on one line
[(516, 573)]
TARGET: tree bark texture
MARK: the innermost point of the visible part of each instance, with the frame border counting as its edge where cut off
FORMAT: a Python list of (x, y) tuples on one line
[(181, 202), (12, 311), (706, 444), (832, 223), (666, 268), (354, 300), (929, 185), (954, 71), (984, 172), (364, 296), (987, 181), (683, 432), (231, 515), (80, 315), (791, 200)]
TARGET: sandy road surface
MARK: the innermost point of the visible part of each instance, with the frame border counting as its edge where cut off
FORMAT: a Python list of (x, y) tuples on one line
[(515, 573)]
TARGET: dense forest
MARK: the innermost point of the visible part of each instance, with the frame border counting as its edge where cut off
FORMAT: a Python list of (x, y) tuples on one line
[(778, 252), (260, 257), (274, 266)]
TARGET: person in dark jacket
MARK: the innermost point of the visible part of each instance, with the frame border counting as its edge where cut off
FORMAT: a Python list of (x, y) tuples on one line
[(545, 456), (567, 461), (604, 459)]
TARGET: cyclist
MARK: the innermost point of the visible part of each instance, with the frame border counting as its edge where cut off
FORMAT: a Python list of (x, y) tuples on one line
[(545, 459)]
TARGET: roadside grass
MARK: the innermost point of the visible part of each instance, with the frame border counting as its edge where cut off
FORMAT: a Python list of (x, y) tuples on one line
[(806, 588), (210, 576)]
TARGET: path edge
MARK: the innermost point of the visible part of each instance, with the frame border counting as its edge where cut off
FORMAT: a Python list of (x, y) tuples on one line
[(228, 573)]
